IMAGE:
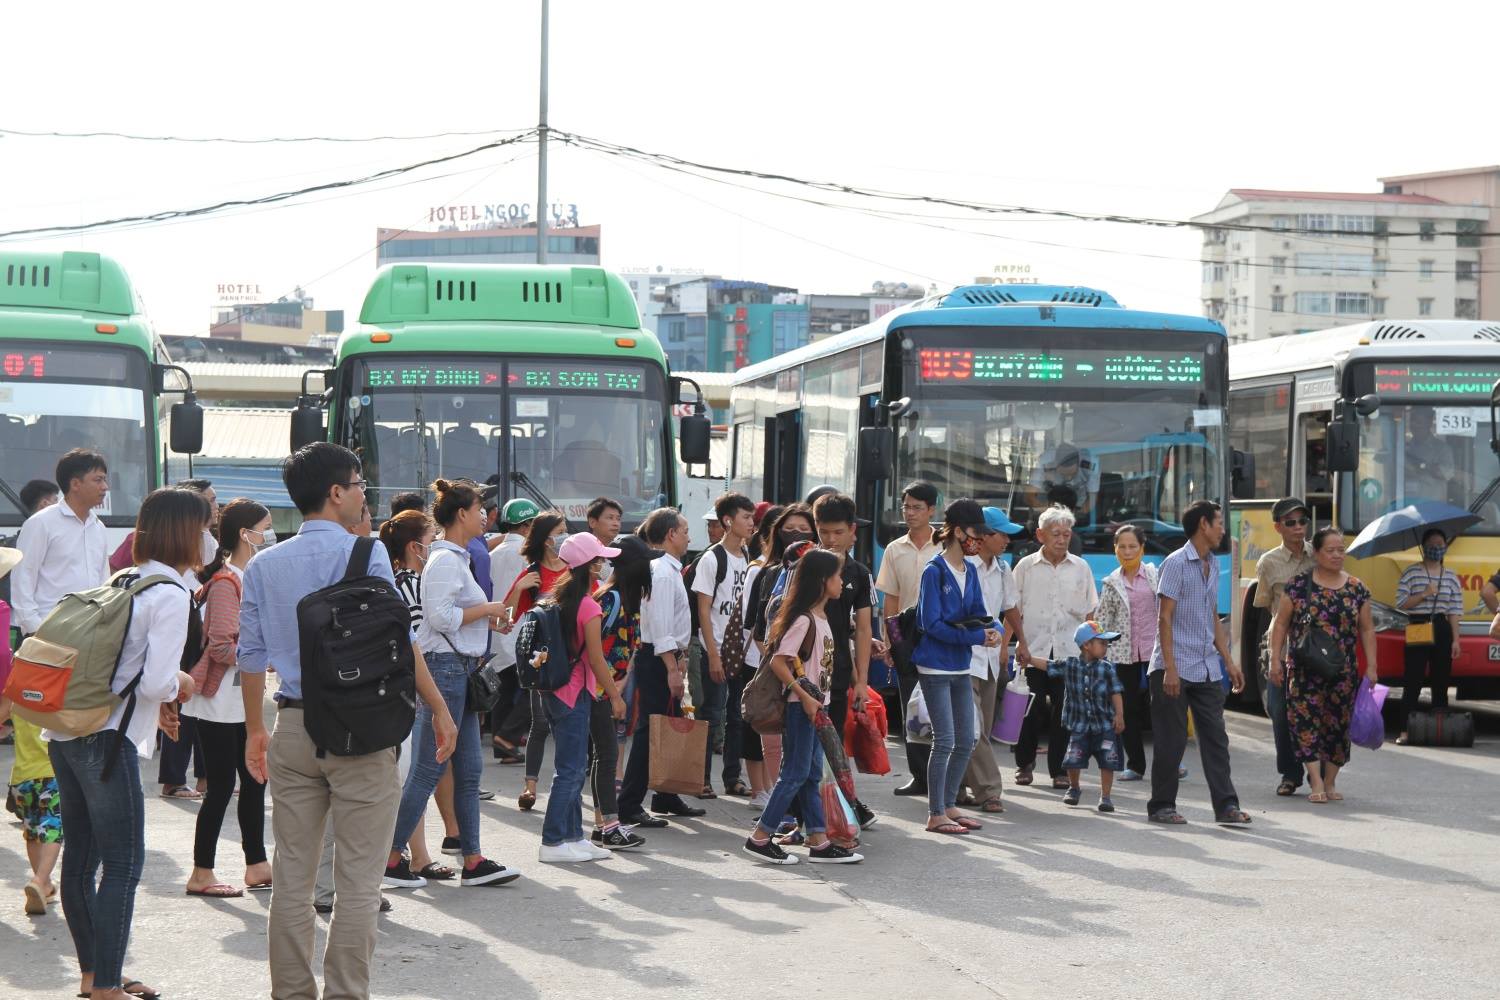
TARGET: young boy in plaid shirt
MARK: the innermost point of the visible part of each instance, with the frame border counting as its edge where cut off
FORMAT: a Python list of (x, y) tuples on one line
[(1093, 711)]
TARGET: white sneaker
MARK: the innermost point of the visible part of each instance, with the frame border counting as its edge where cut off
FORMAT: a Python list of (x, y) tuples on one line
[(589, 851), (759, 801), (561, 854)]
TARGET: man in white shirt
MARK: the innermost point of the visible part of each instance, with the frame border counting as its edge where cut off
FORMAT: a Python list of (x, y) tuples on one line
[(1056, 596), (66, 546), (900, 583), (718, 588), (512, 716), (660, 665), (986, 664)]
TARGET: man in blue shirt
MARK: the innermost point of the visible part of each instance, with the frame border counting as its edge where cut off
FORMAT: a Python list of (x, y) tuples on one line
[(360, 792), (1187, 670)]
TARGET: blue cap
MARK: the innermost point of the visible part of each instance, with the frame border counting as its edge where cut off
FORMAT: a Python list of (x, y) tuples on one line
[(995, 520), (1090, 630)]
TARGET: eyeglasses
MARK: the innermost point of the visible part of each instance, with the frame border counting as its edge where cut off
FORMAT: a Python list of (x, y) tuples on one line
[(1295, 522), (358, 484), (914, 508)]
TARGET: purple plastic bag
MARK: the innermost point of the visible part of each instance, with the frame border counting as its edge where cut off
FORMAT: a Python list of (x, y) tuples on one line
[(1366, 727)]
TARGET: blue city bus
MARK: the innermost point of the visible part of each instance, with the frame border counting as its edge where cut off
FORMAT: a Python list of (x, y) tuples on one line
[(986, 392)]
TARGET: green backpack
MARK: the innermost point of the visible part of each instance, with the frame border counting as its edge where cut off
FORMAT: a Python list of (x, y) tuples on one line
[(62, 676)]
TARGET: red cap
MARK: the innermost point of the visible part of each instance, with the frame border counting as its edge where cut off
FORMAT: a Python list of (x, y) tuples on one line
[(760, 511)]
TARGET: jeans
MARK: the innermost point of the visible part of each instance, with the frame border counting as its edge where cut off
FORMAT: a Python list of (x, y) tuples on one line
[(563, 823), (604, 755), (1281, 732), (106, 829), (450, 672), (653, 697), (721, 710), (224, 756), (801, 772), (950, 704)]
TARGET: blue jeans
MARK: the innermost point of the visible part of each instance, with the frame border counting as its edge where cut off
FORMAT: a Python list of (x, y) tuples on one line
[(950, 704), (1281, 732), (563, 823), (450, 672), (801, 773), (721, 710), (106, 829)]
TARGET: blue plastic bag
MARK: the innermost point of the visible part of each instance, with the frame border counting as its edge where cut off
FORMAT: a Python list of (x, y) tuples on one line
[(1367, 727)]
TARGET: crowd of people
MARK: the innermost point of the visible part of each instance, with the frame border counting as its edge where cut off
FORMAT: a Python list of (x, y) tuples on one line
[(777, 600)]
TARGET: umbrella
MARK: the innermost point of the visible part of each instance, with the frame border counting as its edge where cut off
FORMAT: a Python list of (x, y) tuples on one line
[(1403, 529)]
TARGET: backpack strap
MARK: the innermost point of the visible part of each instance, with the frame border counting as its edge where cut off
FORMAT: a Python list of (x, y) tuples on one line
[(806, 649), (611, 604), (359, 558)]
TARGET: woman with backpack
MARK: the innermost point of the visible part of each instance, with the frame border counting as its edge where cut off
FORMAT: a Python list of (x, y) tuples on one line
[(544, 567), (801, 647), (571, 707), (453, 638), (244, 529), (951, 610), (620, 636), (99, 775)]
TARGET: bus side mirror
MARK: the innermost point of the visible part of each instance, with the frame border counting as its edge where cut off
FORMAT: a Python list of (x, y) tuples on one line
[(1243, 475), (1343, 446), (693, 439), (307, 425), (877, 454), (186, 427)]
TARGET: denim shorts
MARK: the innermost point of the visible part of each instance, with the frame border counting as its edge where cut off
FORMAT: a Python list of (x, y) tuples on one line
[(1103, 747)]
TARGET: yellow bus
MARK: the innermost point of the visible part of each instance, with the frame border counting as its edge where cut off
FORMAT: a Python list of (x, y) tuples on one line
[(1359, 421)]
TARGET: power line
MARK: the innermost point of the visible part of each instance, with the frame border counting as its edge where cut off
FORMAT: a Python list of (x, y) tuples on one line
[(265, 140)]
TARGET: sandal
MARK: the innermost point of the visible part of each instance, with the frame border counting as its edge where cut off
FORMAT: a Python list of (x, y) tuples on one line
[(218, 890), (1169, 818), (1023, 776), (141, 989), (1335, 796), (1061, 783), (739, 790), (437, 872), (950, 828), (1234, 817), (180, 792), (992, 806), (1318, 797), (707, 793), (967, 823), (526, 800), (1285, 789)]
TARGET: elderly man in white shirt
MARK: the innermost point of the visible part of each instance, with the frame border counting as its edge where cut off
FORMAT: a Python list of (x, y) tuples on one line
[(660, 665), (1057, 595), (986, 664), (66, 546)]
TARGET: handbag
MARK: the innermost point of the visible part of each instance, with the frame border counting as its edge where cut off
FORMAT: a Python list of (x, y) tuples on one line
[(763, 702), (678, 749), (483, 691), (1422, 633), (1318, 653)]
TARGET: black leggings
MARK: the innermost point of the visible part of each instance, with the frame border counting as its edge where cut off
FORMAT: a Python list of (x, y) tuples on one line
[(223, 758), (1129, 675), (1434, 662), (604, 755), (536, 741)]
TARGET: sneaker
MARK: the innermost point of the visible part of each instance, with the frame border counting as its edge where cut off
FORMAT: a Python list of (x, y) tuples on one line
[(768, 852), (1182, 772), (400, 876), (485, 795), (759, 801), (1072, 795), (488, 872), (561, 854), (865, 815), (832, 854), (590, 852), (1129, 775), (451, 848), (1105, 805), (618, 839)]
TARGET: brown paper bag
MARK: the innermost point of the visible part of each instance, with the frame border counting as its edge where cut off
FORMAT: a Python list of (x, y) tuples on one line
[(679, 749)]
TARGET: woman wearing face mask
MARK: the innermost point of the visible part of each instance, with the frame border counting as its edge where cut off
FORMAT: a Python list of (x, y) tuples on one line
[(1430, 594), (219, 711), (1127, 605), (544, 567), (1318, 710)]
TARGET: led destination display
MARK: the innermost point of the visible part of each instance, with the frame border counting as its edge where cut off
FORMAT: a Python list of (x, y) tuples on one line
[(1061, 368)]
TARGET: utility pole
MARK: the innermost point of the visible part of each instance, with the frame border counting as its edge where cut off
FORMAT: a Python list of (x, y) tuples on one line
[(541, 167)]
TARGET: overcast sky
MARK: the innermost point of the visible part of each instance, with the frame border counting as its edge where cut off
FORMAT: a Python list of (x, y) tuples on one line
[(1153, 109)]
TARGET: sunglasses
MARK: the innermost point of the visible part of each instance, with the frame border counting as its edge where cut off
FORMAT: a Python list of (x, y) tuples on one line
[(1295, 522)]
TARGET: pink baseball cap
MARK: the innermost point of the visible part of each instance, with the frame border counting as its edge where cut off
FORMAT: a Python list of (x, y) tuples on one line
[(584, 548)]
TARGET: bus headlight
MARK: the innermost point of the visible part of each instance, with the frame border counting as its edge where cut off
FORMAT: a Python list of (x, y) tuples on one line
[(1387, 618)]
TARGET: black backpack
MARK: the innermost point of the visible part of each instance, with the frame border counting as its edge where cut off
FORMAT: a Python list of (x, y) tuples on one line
[(359, 677), (691, 570), (541, 631)]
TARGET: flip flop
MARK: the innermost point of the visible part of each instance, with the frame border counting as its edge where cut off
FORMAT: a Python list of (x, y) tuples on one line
[(950, 828), (180, 792), (969, 824), (36, 903), (1317, 798), (1234, 817), (1168, 818), (218, 890), (258, 886), (147, 992)]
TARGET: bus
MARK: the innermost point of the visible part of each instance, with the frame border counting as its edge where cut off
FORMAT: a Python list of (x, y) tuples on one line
[(981, 392), (538, 379), (1359, 421), (81, 368)]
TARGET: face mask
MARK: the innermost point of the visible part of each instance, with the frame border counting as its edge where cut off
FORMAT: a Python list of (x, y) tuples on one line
[(210, 548), (793, 537), (970, 545), (556, 541), (1129, 565), (267, 539), (425, 550), (1434, 553)]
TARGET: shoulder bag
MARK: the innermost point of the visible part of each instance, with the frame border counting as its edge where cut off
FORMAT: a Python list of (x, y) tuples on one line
[(1318, 652)]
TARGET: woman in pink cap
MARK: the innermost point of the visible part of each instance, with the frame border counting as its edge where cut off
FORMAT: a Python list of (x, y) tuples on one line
[(570, 707)]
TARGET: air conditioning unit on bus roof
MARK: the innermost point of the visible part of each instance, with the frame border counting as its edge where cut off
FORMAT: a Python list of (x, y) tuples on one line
[(1000, 295)]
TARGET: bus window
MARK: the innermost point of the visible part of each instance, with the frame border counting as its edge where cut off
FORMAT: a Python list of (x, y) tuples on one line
[(1258, 427), (1317, 484)]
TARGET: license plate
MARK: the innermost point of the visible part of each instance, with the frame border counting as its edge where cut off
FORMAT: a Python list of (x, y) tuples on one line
[(1495, 650)]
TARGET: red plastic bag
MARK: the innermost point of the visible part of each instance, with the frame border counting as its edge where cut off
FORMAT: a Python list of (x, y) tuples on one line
[(864, 736), (843, 828)]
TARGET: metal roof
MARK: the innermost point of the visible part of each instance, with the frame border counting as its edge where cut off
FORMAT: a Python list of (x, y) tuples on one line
[(1397, 338)]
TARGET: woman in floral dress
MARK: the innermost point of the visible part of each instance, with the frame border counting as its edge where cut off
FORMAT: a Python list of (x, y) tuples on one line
[(1318, 710)]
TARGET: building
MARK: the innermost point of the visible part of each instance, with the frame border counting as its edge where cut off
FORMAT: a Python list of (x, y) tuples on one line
[(700, 330), (1388, 254), (649, 286), (1474, 186), (575, 245), (830, 314), (292, 321)]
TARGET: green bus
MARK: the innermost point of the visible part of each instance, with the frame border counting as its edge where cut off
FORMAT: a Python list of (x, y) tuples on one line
[(539, 379), (81, 368)]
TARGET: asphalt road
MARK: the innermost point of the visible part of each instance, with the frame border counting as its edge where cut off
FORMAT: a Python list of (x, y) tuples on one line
[(1394, 892)]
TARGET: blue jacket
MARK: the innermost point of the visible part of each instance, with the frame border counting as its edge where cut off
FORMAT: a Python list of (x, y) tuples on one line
[(944, 646)]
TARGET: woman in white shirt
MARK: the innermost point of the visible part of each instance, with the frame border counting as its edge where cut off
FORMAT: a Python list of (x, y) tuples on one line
[(244, 529), (453, 635), (99, 776)]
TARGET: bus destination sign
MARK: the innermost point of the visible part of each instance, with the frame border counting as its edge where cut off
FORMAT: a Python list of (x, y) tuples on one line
[(565, 377), (433, 375), (62, 363), (1435, 379), (1063, 368)]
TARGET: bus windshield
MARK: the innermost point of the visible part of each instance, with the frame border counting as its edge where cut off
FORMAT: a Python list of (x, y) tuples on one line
[(1419, 451), (576, 431), (1117, 435), (54, 398)]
